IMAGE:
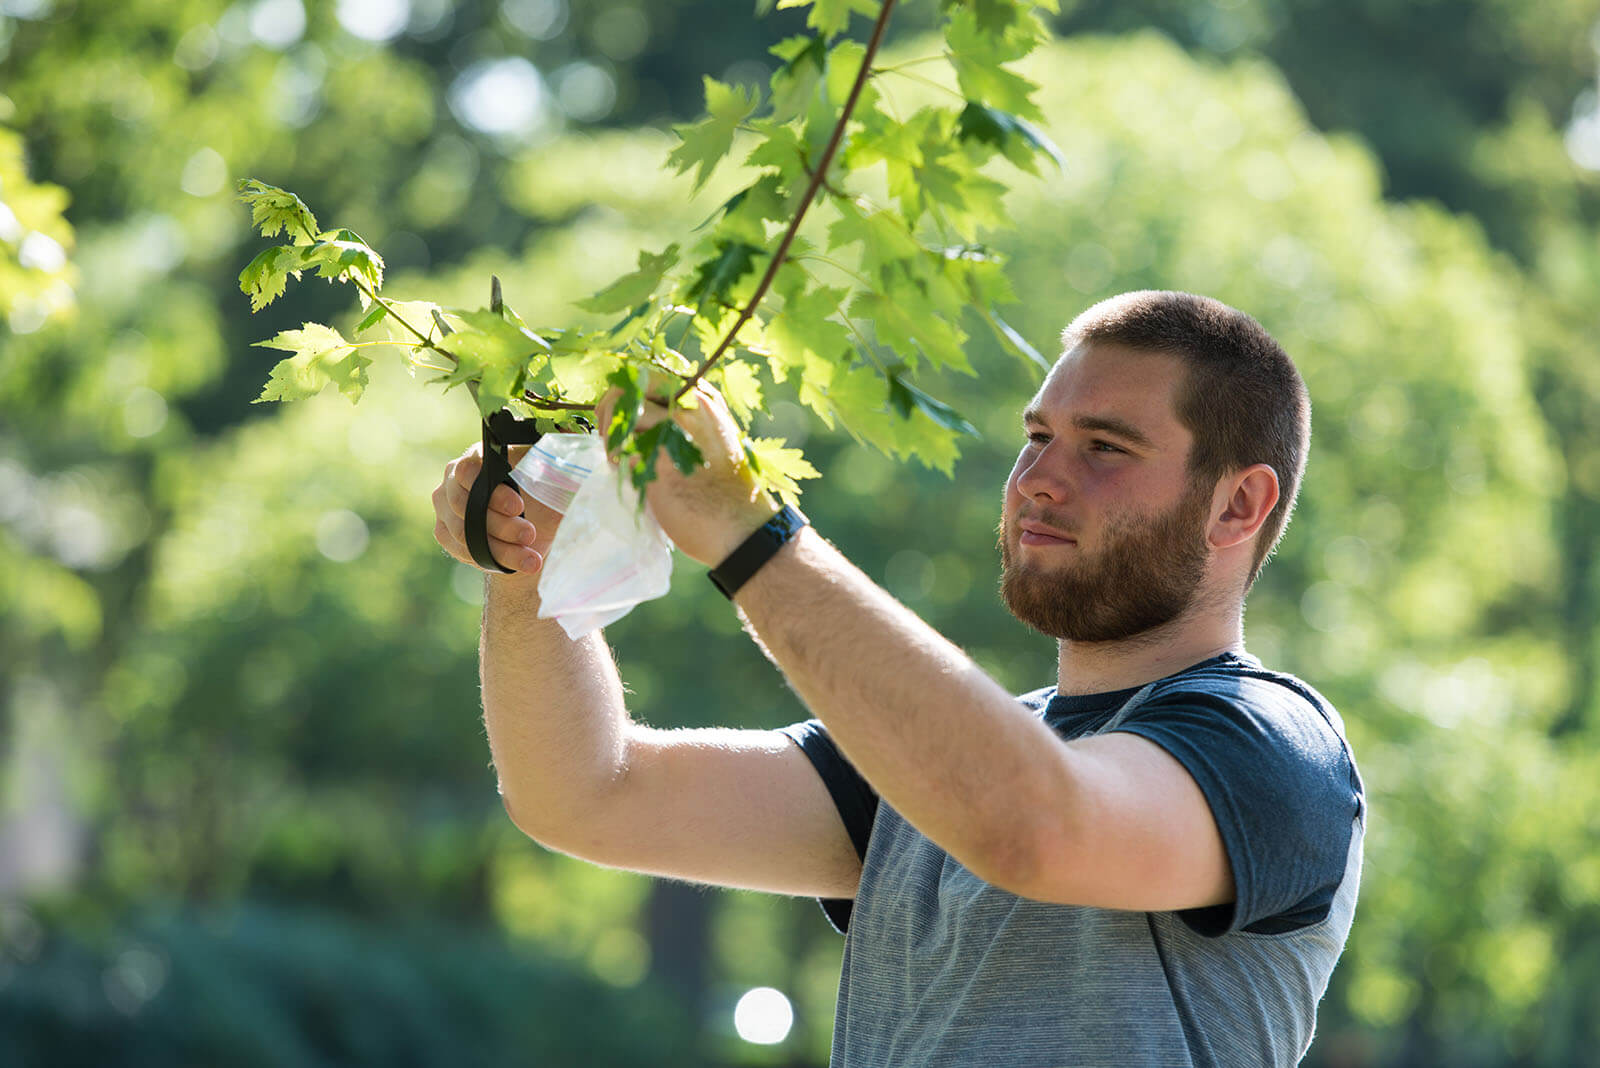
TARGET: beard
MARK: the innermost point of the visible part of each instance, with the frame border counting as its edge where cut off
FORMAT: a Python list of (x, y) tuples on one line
[(1148, 574)]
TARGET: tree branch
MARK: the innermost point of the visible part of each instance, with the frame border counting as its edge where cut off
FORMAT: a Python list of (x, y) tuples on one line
[(817, 178)]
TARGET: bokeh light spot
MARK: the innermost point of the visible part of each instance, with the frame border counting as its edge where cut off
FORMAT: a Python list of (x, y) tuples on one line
[(374, 20), (341, 535), (763, 1016)]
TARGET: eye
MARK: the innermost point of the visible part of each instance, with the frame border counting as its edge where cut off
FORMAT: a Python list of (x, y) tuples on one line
[(1038, 437), (1103, 446)]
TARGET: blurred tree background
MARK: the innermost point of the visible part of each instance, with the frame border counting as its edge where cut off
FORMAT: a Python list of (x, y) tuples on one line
[(247, 814)]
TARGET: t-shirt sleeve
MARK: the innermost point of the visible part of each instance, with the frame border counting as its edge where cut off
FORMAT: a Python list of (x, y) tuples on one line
[(1281, 787), (856, 801)]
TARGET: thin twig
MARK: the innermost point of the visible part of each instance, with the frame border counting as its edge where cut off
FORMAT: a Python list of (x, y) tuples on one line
[(817, 178), (533, 400)]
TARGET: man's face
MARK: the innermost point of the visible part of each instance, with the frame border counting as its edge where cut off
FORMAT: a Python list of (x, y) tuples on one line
[(1103, 532)]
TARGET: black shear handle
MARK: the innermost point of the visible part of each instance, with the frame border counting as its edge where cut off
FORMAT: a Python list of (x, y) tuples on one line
[(500, 430)]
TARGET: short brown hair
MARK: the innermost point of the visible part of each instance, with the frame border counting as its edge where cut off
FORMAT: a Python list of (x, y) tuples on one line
[(1243, 399)]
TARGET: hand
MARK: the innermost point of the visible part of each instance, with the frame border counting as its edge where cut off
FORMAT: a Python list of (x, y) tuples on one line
[(520, 528), (710, 513)]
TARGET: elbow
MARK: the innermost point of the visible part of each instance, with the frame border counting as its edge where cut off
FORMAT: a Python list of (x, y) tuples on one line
[(1012, 860), (573, 831)]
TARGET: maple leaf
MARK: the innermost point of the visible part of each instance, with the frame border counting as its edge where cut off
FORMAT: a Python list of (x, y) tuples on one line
[(264, 278), (635, 287), (906, 399), (884, 237), (779, 468), (274, 210), (979, 57), (666, 436), (829, 17), (341, 255), (804, 58), (739, 386), (860, 399), (321, 356), (747, 212), (706, 142), (1017, 139), (494, 353), (806, 325), (907, 322), (714, 279), (781, 149)]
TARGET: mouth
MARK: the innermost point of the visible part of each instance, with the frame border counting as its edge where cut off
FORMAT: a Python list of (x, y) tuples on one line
[(1031, 533)]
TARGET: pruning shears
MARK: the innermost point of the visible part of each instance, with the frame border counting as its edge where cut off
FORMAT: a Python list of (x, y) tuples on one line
[(501, 430)]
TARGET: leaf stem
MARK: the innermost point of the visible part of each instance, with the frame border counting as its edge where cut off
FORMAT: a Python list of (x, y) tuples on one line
[(817, 177), (421, 337), (533, 400), (388, 310), (929, 82)]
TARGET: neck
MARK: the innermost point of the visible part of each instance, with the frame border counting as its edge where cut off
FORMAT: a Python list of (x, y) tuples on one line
[(1099, 667)]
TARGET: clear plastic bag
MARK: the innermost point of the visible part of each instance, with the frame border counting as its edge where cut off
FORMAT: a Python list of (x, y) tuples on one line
[(609, 554)]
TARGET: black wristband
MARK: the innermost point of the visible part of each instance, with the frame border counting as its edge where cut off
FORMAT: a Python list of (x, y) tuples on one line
[(756, 550)]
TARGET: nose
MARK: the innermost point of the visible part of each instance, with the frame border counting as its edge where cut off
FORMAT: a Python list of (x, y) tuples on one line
[(1040, 474)]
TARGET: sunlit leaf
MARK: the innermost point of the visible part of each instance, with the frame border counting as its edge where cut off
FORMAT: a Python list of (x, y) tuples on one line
[(321, 357)]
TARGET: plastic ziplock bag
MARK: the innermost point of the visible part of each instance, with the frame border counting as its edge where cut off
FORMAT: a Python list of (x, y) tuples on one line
[(609, 553)]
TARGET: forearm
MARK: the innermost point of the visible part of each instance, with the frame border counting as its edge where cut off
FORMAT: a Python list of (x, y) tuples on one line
[(938, 738), (554, 711)]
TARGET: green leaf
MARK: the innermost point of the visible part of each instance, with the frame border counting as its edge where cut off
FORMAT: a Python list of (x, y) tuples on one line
[(416, 313), (829, 17), (780, 148), (1015, 341), (906, 398), (706, 142), (883, 236), (908, 322), (495, 354), (714, 279), (667, 436), (780, 469), (636, 287), (860, 400), (372, 318), (274, 210), (979, 57), (806, 324), (747, 212), (321, 356), (1017, 139), (582, 376), (739, 386), (629, 407), (804, 58), (264, 278), (342, 255)]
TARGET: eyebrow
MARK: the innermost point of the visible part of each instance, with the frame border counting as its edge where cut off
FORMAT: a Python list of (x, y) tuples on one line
[(1108, 424)]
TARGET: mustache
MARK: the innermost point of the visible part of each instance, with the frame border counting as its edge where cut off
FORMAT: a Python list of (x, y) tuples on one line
[(1044, 517)]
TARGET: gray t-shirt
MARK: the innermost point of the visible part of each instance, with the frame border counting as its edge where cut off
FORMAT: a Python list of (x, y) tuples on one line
[(941, 968)]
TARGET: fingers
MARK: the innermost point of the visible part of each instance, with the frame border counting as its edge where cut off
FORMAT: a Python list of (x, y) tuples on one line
[(515, 555), (511, 535)]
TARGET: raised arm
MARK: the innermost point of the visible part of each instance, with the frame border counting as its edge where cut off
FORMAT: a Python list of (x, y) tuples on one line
[(1111, 822), (726, 807)]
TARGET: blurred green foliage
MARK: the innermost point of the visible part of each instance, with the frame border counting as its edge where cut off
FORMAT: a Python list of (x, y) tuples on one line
[(260, 987), (237, 679)]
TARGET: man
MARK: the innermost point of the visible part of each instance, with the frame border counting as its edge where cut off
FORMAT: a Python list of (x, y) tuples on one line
[(1152, 862)]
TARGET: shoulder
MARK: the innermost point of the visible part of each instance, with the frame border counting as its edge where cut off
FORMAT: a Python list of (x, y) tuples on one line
[(1237, 696), (1270, 755)]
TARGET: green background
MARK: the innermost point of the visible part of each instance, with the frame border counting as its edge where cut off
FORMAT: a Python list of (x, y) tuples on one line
[(247, 812)]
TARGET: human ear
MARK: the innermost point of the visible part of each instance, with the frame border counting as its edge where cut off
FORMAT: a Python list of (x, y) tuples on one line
[(1243, 502)]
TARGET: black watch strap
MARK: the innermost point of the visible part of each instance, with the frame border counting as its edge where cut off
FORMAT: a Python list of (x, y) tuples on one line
[(756, 550)]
